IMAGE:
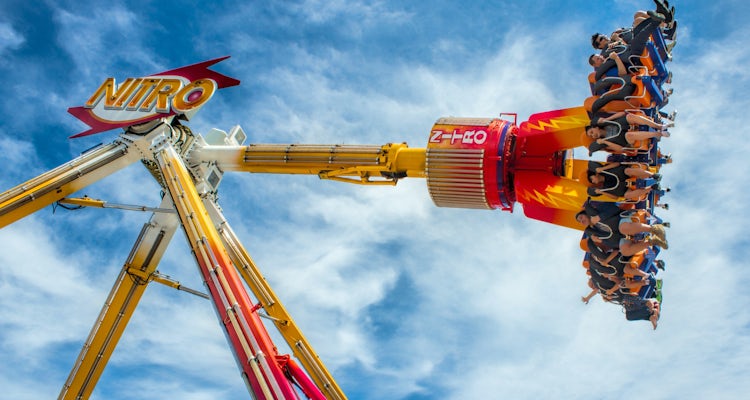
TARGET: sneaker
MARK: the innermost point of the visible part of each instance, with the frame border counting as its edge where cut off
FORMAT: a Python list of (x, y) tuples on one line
[(665, 9), (671, 32), (656, 16), (662, 6), (670, 46), (657, 241), (659, 231)]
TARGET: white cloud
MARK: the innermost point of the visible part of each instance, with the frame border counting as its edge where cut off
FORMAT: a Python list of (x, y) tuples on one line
[(20, 155), (10, 39), (102, 39)]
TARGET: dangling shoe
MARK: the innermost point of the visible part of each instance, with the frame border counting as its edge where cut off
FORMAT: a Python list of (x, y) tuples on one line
[(656, 16), (670, 33), (662, 6), (657, 241), (662, 158), (670, 46), (659, 231), (664, 9)]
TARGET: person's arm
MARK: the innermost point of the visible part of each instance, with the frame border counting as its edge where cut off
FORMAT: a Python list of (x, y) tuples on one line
[(638, 119), (615, 40), (621, 70), (615, 287), (614, 116), (602, 192), (631, 284), (608, 211), (588, 297), (611, 146), (607, 166), (611, 257)]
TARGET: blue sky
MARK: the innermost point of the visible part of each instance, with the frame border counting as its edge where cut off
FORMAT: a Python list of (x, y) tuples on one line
[(401, 299)]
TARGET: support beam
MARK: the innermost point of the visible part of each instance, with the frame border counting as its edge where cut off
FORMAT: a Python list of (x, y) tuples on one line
[(120, 305), (68, 178), (253, 348), (272, 305)]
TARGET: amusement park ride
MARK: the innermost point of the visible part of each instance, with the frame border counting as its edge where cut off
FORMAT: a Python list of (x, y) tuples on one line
[(480, 163)]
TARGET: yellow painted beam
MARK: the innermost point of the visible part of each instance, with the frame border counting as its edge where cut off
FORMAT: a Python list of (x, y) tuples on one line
[(68, 178), (245, 332), (366, 164), (120, 304)]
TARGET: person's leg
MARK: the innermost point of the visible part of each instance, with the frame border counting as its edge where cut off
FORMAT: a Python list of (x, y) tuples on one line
[(653, 307), (603, 85), (632, 284), (645, 28), (638, 173), (629, 248), (635, 272), (637, 119), (634, 136), (636, 194), (639, 17), (619, 94), (633, 228)]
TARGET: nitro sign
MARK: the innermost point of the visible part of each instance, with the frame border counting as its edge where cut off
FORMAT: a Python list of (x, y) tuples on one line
[(139, 100), (150, 94), (457, 136)]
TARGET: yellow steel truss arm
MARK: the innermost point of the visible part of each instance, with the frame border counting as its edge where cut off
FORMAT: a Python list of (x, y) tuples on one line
[(254, 351), (121, 303), (349, 163), (70, 177)]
